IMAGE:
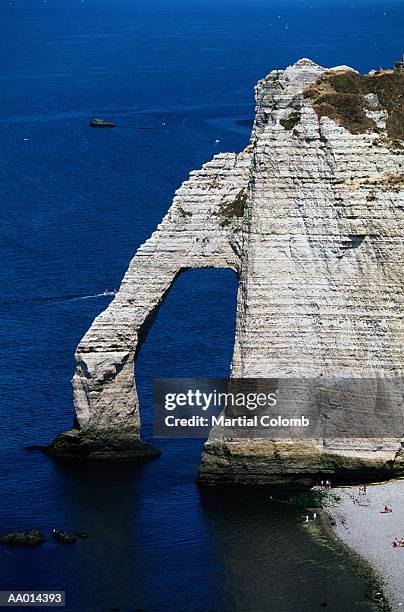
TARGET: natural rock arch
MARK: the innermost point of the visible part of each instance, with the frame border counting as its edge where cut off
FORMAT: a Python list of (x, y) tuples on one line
[(311, 217), (202, 229)]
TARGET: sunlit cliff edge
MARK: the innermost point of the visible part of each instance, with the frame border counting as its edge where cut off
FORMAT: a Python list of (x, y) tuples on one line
[(310, 217)]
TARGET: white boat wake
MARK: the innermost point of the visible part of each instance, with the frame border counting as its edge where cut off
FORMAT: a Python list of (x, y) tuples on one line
[(111, 293)]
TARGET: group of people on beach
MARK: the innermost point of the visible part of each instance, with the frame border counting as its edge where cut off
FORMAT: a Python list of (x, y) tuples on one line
[(362, 490), (326, 484), (314, 517), (398, 543)]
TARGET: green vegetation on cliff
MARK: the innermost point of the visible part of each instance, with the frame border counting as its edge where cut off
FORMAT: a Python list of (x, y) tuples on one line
[(341, 97)]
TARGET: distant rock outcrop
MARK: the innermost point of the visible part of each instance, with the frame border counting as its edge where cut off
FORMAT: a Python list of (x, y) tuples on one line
[(310, 216), (32, 537), (63, 536)]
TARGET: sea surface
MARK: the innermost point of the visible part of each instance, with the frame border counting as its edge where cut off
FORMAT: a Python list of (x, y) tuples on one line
[(75, 203)]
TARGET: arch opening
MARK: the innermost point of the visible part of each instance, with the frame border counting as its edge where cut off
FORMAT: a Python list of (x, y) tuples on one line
[(189, 334)]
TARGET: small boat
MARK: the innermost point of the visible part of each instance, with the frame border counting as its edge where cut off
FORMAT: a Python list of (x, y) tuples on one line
[(101, 123)]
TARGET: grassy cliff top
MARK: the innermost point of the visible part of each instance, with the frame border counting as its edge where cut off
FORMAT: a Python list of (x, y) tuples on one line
[(343, 96)]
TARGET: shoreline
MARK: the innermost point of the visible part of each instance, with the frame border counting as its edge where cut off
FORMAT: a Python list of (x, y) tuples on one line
[(375, 585), (355, 523)]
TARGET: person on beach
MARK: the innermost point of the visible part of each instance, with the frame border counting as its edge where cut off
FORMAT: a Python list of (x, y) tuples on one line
[(314, 516), (386, 510), (398, 543)]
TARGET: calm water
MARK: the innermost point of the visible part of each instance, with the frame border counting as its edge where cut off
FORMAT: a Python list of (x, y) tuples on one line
[(75, 205)]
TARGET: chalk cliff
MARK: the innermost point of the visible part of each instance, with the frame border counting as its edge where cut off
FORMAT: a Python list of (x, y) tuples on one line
[(203, 228), (310, 216)]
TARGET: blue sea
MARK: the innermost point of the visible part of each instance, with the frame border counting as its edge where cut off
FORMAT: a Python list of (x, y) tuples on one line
[(75, 204)]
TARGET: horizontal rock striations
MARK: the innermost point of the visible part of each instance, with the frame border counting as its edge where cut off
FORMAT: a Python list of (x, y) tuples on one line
[(310, 216), (322, 271), (203, 228)]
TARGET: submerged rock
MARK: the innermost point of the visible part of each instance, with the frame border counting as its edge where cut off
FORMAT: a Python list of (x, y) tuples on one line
[(101, 123), (63, 536), (32, 537)]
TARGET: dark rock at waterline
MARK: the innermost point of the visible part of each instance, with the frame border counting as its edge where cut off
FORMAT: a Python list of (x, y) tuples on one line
[(32, 537), (101, 445), (63, 536), (101, 123)]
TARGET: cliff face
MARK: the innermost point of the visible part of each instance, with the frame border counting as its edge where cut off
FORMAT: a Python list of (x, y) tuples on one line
[(311, 217), (203, 228), (322, 271)]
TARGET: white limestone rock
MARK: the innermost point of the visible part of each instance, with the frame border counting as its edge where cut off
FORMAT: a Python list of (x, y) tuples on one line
[(318, 246)]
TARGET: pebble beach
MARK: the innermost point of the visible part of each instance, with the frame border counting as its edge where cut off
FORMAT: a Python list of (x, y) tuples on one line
[(358, 522)]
